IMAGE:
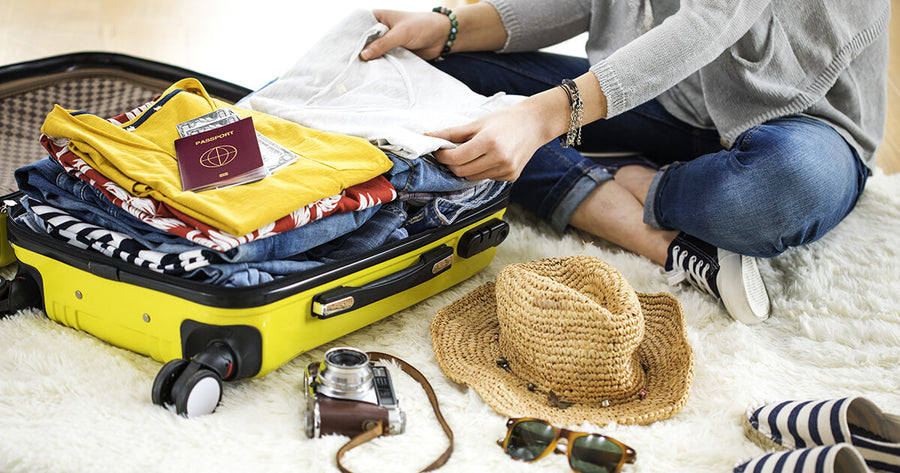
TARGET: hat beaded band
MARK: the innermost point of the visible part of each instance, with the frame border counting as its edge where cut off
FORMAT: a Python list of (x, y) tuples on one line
[(534, 300)]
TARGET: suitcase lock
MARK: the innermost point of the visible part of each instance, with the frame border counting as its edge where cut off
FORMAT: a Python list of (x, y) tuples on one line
[(483, 237)]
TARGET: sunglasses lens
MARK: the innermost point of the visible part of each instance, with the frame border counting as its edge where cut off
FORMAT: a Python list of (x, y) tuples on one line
[(595, 454), (529, 439)]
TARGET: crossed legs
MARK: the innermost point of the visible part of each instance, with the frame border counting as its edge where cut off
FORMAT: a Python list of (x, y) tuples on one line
[(689, 205), (615, 211)]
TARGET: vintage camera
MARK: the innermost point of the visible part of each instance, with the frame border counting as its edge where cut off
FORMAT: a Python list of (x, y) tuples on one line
[(347, 395)]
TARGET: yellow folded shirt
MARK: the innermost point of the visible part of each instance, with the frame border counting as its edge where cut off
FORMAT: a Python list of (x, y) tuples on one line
[(140, 156)]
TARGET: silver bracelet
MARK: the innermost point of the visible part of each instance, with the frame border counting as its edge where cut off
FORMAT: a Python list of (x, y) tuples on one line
[(576, 117)]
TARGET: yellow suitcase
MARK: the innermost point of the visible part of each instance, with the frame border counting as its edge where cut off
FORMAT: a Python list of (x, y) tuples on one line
[(209, 334), (206, 334)]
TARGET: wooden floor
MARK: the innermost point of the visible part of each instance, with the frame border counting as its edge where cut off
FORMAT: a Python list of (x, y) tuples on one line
[(247, 43)]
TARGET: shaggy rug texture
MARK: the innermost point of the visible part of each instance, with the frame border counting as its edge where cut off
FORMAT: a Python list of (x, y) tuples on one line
[(72, 403)]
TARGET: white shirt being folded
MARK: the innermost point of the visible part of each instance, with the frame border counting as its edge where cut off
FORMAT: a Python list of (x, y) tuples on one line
[(391, 101)]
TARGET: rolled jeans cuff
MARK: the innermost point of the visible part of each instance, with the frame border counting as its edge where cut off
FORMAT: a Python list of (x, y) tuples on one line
[(578, 192), (650, 201)]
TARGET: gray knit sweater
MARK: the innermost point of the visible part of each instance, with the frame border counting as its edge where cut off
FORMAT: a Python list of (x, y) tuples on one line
[(727, 64)]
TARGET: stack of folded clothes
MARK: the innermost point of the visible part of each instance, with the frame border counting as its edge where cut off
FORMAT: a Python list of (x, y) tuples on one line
[(363, 175), (112, 185)]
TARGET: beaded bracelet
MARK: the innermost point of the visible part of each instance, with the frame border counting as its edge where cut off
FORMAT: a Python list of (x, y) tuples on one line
[(576, 117), (453, 30)]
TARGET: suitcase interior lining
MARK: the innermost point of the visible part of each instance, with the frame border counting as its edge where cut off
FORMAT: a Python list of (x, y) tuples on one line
[(25, 103), (105, 84)]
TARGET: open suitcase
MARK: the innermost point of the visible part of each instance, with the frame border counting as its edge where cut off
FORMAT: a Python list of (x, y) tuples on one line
[(205, 334)]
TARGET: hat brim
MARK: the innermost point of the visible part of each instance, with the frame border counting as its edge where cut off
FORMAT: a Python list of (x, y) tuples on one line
[(462, 335)]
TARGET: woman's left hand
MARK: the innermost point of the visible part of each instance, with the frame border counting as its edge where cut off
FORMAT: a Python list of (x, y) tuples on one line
[(496, 146)]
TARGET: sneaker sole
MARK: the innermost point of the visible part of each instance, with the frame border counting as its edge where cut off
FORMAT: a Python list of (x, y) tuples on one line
[(747, 302)]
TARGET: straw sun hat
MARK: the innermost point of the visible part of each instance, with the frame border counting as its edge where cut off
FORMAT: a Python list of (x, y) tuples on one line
[(568, 340)]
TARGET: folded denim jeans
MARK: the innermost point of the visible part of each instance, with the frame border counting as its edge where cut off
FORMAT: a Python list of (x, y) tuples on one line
[(435, 195)]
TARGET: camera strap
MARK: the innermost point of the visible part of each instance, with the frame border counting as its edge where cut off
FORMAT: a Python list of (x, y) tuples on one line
[(378, 429)]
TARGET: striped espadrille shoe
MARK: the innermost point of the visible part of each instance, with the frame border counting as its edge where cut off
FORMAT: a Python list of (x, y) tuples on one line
[(840, 458), (854, 420)]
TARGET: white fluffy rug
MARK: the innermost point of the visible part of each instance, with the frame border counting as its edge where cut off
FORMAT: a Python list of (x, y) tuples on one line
[(71, 403)]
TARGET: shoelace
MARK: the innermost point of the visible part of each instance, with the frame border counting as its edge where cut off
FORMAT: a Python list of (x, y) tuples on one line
[(695, 271)]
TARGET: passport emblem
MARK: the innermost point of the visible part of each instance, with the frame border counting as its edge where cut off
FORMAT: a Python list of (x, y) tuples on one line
[(218, 156)]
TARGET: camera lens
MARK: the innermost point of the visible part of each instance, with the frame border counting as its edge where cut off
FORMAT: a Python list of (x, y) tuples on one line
[(347, 375), (346, 358)]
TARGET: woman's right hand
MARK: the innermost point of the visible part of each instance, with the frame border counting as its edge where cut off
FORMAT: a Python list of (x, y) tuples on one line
[(423, 33)]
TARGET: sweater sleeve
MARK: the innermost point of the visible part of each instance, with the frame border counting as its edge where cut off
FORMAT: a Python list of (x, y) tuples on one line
[(631, 67), (532, 25), (686, 41)]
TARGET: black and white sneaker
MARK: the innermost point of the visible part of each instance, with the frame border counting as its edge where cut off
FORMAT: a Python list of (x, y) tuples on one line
[(732, 278)]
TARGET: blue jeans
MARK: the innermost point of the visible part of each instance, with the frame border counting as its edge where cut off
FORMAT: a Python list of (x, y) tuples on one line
[(784, 183), (46, 181), (445, 197)]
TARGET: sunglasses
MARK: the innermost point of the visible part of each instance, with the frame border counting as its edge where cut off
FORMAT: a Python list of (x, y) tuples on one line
[(529, 439)]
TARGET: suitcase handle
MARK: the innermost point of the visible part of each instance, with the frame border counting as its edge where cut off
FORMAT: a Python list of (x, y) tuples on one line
[(346, 298)]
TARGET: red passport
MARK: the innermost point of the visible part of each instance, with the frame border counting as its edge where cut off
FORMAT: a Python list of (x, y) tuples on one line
[(224, 156)]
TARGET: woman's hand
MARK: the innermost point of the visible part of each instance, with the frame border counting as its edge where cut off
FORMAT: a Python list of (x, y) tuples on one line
[(500, 144), (426, 33), (423, 33)]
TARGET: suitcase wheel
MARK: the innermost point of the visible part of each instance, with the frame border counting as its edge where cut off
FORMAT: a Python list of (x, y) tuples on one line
[(194, 386), (161, 392), (197, 393), (19, 293)]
